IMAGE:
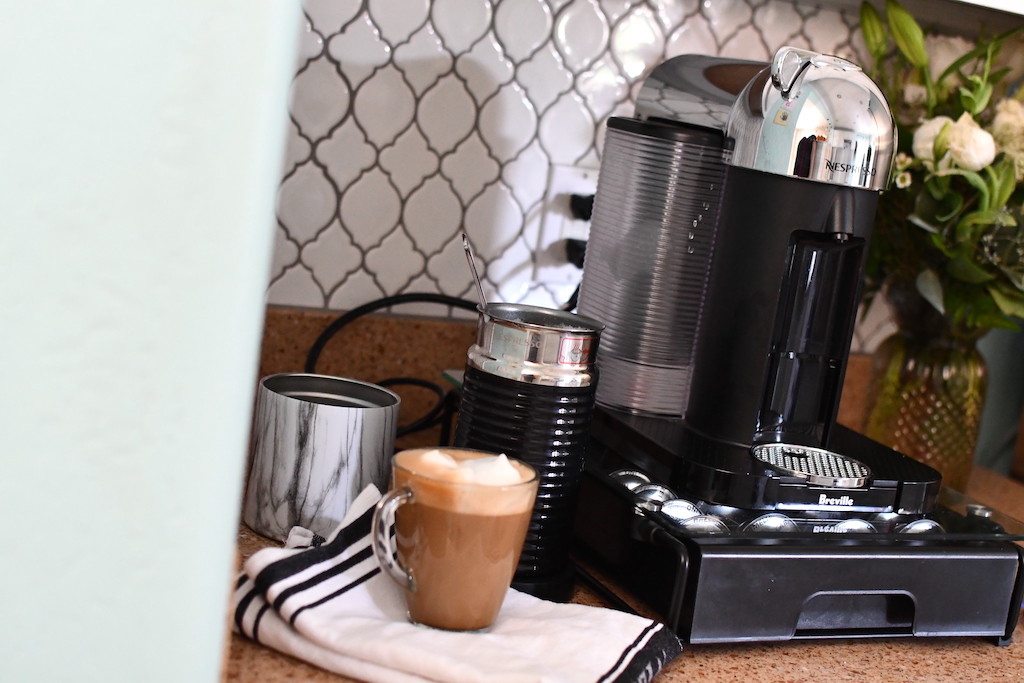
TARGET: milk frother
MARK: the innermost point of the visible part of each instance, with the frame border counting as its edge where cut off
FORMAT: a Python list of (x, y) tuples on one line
[(528, 392)]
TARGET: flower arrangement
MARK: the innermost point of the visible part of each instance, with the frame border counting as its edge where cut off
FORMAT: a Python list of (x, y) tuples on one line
[(950, 227)]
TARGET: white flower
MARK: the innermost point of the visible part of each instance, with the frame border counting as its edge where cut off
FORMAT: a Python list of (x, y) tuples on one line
[(904, 180), (1008, 124), (924, 136), (971, 146), (1008, 131), (903, 161), (943, 51)]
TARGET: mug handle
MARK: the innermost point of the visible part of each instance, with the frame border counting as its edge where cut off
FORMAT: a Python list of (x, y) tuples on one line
[(380, 536)]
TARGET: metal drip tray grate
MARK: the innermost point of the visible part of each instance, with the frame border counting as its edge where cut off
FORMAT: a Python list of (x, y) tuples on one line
[(818, 466)]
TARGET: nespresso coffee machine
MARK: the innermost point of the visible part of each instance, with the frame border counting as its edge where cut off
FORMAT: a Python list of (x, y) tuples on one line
[(727, 244)]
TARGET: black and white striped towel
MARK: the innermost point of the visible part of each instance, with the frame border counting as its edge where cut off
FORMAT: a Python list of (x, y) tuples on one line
[(330, 605)]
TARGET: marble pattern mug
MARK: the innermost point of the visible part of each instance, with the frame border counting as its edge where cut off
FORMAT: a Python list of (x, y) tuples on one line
[(317, 442)]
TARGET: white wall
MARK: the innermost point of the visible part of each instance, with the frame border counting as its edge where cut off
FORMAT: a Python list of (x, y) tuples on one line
[(140, 147)]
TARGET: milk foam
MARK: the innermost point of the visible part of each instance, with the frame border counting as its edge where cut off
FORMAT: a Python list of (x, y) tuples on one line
[(490, 470), (484, 474)]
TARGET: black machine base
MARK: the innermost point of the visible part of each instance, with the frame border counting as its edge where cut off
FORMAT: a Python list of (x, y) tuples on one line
[(748, 584)]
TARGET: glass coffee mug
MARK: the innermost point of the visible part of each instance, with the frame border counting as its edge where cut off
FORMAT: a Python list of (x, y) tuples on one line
[(460, 519)]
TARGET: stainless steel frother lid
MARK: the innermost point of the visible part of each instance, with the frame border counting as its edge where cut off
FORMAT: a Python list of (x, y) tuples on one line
[(536, 345)]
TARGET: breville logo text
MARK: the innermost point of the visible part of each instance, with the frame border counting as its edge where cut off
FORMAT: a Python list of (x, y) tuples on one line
[(841, 500)]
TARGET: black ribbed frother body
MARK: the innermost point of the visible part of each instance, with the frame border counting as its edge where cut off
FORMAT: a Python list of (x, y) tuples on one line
[(529, 393)]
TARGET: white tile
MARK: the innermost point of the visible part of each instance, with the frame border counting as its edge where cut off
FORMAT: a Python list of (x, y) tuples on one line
[(492, 220), (671, 12), (384, 106), (296, 287), (356, 290), (726, 17), (395, 261), (512, 270), (603, 88), (359, 50), (581, 33), (508, 122), (693, 37), (446, 114), (346, 154), (433, 215), (306, 202), (522, 26), (398, 19), (830, 33), (460, 23), (423, 60), (470, 167), (370, 208), (408, 161), (746, 43), (544, 77), (328, 16), (297, 149), (485, 68), (527, 175), (311, 43), (319, 98), (449, 269), (332, 256), (286, 253), (637, 42), (779, 22), (567, 130), (615, 9)]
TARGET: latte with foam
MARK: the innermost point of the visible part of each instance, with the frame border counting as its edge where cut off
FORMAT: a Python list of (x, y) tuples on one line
[(462, 532)]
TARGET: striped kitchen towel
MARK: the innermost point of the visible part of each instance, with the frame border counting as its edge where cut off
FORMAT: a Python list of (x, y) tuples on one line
[(329, 604)]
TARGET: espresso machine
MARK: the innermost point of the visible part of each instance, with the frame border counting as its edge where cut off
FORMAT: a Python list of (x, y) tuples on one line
[(728, 238)]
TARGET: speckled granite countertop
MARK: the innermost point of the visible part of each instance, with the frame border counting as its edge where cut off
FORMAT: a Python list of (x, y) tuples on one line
[(887, 659), (435, 345)]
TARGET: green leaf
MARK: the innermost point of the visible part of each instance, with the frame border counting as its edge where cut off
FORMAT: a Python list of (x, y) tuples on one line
[(907, 34), (930, 287), (976, 181), (975, 101), (1010, 304), (873, 30), (941, 143), (940, 244), (964, 269), (982, 49), (965, 228), (1004, 181)]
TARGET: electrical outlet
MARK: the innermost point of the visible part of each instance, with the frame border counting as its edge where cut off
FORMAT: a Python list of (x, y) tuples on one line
[(557, 223)]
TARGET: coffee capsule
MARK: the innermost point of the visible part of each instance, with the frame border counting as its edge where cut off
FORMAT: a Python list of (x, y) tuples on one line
[(922, 526), (704, 525), (679, 510), (631, 479), (773, 522), (651, 496), (853, 526)]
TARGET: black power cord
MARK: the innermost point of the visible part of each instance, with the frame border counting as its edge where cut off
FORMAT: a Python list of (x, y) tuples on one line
[(446, 405)]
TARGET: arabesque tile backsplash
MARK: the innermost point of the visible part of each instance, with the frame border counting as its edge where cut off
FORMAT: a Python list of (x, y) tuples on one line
[(413, 120)]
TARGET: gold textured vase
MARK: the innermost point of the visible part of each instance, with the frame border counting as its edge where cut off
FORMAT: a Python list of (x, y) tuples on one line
[(929, 390)]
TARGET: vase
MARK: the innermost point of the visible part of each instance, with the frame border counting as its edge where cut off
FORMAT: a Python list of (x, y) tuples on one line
[(928, 383)]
